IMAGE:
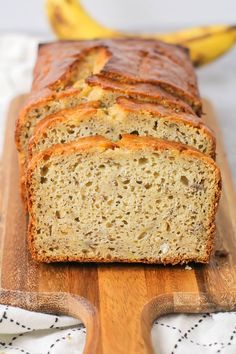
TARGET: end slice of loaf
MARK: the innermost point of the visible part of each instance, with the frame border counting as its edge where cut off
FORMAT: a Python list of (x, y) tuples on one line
[(126, 116), (138, 200)]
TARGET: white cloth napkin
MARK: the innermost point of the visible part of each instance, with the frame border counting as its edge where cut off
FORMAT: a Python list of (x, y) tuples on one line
[(27, 332)]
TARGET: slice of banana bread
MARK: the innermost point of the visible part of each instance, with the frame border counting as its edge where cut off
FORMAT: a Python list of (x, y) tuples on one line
[(141, 199), (127, 116)]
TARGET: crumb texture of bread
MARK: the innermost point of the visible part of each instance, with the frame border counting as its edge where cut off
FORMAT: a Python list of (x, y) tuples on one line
[(138, 200)]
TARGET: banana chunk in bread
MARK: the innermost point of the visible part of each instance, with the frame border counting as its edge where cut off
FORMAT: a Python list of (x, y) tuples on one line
[(127, 116), (140, 199)]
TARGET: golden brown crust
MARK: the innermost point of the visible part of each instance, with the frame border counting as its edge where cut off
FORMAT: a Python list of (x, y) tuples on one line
[(22, 179), (129, 60), (88, 144)]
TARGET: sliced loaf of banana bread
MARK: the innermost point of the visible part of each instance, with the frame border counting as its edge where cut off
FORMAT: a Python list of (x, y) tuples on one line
[(146, 200)]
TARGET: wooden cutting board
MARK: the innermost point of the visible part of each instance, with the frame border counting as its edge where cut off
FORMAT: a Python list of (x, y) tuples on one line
[(117, 303)]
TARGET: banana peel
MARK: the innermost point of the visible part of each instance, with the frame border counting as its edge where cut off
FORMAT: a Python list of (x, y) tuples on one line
[(205, 43), (69, 20)]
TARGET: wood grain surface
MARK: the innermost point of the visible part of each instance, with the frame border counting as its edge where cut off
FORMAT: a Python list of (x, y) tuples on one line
[(117, 303)]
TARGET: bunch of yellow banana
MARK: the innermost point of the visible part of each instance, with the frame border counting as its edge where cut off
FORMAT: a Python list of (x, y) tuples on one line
[(69, 20)]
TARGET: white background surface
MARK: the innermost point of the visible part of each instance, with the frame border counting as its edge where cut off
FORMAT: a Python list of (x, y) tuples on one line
[(28, 15)]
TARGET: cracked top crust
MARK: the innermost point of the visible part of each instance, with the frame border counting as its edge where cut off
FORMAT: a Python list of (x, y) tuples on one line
[(150, 64)]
